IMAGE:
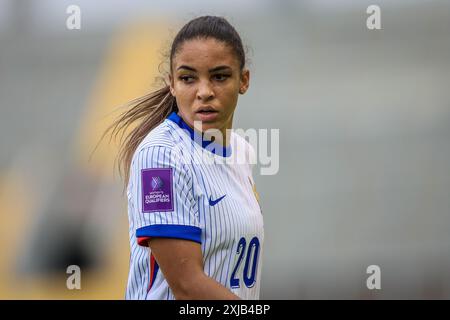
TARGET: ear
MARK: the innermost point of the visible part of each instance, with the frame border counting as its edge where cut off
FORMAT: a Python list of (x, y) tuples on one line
[(245, 81), (172, 90)]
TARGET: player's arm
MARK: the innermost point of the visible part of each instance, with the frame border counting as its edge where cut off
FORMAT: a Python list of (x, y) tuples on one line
[(181, 263)]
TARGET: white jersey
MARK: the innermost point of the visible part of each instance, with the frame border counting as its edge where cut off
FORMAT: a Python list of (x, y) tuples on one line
[(175, 192)]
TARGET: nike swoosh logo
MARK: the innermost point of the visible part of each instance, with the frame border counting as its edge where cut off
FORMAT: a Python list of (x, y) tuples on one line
[(214, 202)]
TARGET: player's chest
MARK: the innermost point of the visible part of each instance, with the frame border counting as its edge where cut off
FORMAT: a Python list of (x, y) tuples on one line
[(228, 203)]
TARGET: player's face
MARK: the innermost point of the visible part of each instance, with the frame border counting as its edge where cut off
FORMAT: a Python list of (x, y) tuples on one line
[(206, 81)]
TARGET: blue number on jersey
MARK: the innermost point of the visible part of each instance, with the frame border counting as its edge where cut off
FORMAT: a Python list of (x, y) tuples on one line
[(252, 250)]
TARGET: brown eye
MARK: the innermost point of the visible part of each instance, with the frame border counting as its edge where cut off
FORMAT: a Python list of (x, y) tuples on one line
[(221, 77), (186, 78)]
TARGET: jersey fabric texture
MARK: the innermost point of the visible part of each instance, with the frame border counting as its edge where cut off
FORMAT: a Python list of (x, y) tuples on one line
[(184, 187)]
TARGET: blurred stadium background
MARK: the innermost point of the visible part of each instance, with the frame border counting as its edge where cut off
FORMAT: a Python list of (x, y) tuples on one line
[(364, 119)]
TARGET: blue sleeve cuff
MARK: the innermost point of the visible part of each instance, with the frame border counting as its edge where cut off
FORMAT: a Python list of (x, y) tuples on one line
[(171, 231)]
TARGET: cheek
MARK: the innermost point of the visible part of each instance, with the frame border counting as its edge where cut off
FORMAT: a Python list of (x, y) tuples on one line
[(233, 102), (184, 93), (229, 95)]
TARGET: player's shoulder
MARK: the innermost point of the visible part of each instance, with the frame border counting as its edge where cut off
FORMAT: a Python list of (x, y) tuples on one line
[(160, 138)]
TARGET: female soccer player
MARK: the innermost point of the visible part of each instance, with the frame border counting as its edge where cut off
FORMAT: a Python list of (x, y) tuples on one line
[(196, 228)]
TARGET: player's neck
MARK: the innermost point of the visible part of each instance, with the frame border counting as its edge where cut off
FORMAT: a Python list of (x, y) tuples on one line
[(226, 133)]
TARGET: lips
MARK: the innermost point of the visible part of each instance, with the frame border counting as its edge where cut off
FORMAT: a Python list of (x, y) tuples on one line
[(206, 109), (207, 113)]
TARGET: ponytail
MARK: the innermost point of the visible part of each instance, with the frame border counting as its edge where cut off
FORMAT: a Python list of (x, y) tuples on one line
[(144, 113)]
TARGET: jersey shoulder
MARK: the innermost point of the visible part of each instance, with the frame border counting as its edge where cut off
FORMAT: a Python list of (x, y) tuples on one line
[(159, 136), (165, 139)]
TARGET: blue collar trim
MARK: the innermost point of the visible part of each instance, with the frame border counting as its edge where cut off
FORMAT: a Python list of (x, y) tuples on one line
[(206, 144)]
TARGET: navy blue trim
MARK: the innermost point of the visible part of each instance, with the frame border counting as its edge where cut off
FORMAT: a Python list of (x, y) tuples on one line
[(212, 146), (155, 272), (171, 231)]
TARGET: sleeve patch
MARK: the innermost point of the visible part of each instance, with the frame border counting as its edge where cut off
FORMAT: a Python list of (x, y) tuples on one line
[(157, 190)]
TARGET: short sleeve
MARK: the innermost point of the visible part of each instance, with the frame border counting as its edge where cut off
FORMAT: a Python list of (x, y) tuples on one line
[(163, 196)]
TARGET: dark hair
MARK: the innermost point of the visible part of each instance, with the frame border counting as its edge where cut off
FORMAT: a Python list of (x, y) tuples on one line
[(149, 111), (210, 27)]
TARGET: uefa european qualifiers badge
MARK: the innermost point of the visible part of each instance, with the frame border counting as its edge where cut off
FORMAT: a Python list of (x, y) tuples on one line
[(157, 190)]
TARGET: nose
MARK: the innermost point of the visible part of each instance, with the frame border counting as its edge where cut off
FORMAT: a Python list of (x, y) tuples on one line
[(205, 91)]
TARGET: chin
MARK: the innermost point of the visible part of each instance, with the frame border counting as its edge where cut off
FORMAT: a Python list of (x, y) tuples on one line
[(209, 126)]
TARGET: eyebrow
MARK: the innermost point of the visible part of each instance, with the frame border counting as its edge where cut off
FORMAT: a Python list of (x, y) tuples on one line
[(219, 68)]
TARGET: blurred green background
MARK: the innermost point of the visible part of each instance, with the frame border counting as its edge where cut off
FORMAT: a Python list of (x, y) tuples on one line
[(364, 119)]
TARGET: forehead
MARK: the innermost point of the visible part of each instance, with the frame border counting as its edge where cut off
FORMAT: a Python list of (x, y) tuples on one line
[(205, 54)]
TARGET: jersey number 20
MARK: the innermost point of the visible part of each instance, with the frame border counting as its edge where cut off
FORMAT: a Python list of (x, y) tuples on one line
[(253, 251)]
